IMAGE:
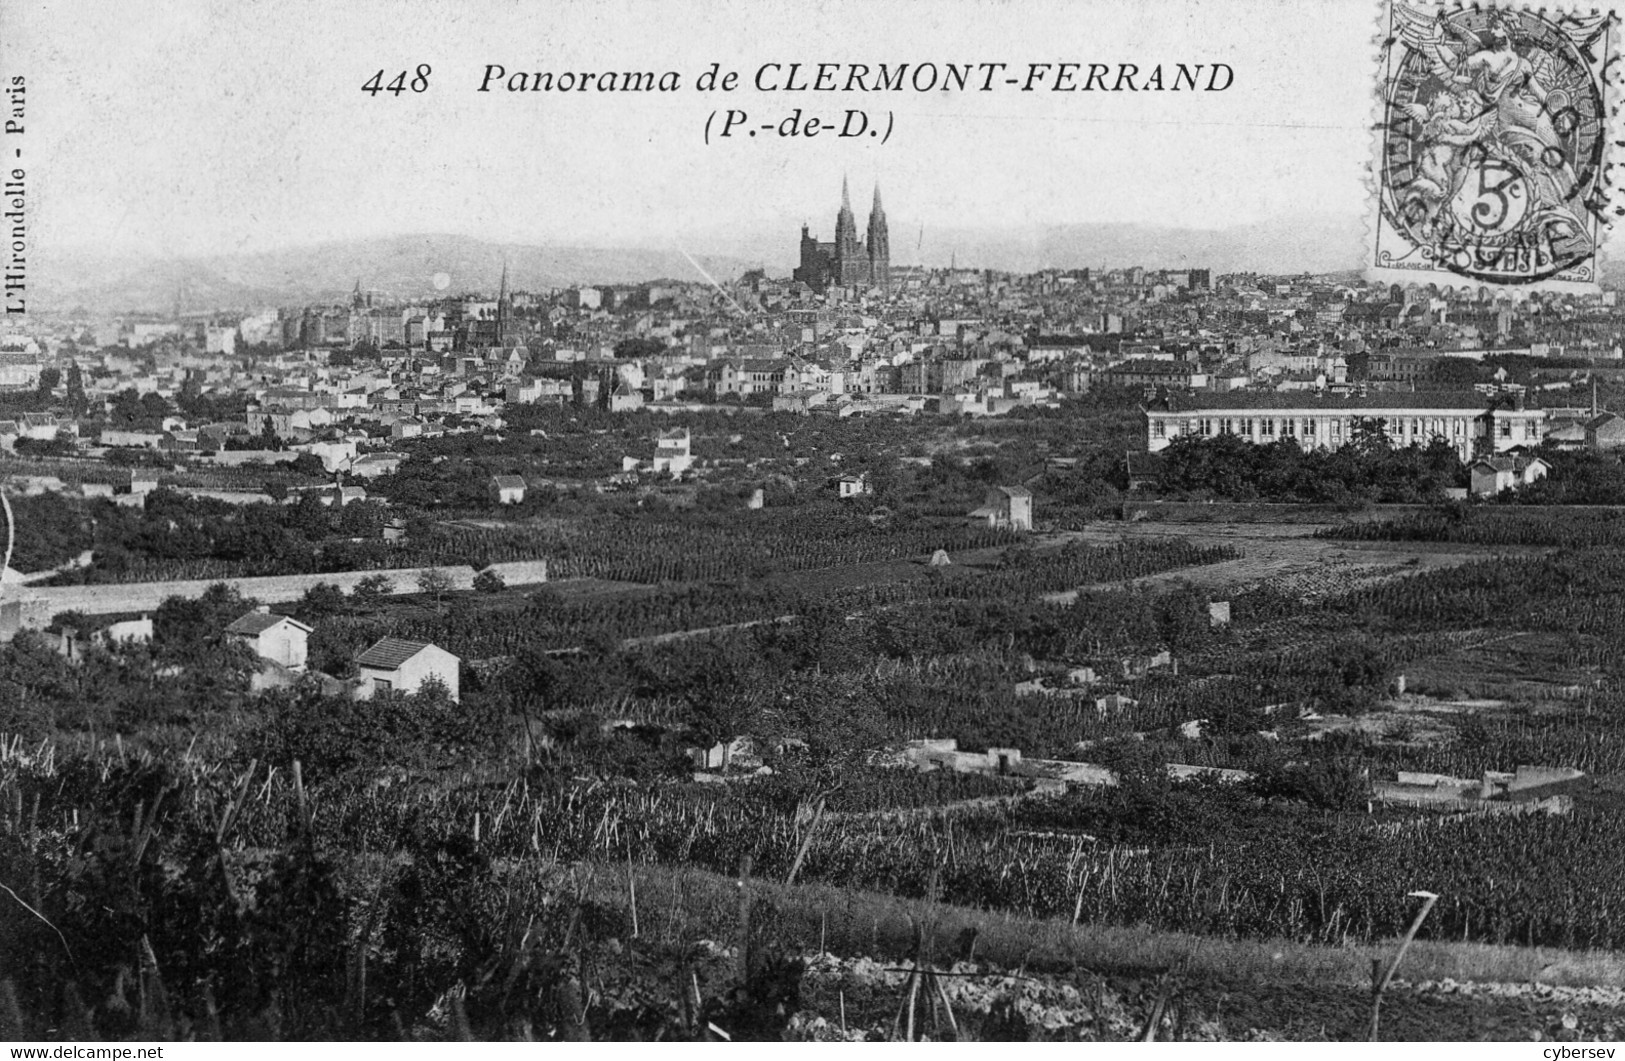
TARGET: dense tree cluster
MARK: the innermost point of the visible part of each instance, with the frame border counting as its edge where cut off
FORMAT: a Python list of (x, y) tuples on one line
[(174, 533), (1576, 478), (1368, 468)]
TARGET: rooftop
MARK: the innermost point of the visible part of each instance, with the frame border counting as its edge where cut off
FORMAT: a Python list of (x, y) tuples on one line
[(1452, 400), (390, 652), (256, 623), (1145, 365)]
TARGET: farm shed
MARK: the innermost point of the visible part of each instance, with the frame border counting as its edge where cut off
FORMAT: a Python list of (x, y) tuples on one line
[(509, 489), (1491, 475), (394, 664), (277, 638), (1006, 507)]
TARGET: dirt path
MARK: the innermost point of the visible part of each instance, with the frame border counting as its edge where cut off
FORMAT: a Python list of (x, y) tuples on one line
[(701, 631), (1286, 555)]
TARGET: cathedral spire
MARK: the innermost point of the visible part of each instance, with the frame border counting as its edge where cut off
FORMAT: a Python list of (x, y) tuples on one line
[(848, 252), (879, 245), (502, 306), (849, 261)]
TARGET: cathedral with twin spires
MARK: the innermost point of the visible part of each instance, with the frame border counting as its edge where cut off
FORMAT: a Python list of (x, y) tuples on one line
[(848, 261)]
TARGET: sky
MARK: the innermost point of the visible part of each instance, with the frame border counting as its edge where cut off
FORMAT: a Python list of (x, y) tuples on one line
[(197, 128)]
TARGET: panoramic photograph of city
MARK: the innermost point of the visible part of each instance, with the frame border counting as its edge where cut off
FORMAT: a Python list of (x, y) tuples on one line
[(953, 522)]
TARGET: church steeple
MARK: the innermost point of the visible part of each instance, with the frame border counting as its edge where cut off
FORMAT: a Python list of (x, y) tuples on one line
[(879, 244), (502, 306), (849, 263), (846, 227)]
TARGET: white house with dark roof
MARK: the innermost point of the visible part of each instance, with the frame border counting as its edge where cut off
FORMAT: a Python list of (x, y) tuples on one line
[(1491, 475), (510, 489), (672, 454), (371, 465), (394, 664), (277, 638), (42, 427), (1604, 431), (625, 399)]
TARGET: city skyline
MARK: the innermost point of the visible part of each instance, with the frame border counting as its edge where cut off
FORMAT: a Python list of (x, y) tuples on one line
[(426, 266), (552, 550)]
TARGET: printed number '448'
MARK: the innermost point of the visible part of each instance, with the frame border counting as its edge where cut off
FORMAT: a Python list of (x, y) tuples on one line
[(420, 83)]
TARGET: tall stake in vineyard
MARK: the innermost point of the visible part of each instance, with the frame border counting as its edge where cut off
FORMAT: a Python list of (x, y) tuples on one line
[(1379, 983)]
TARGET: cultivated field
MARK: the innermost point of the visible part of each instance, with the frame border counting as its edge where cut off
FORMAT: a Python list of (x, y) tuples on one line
[(1283, 556)]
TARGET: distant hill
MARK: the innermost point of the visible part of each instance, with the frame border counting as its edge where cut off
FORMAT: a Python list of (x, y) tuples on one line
[(405, 267), (1285, 245), (402, 267)]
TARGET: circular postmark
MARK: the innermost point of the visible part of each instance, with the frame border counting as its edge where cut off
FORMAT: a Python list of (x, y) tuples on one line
[(1494, 136)]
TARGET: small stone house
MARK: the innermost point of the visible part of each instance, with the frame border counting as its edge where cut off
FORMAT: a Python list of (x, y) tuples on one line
[(1007, 507), (1113, 704), (1605, 432), (394, 664), (623, 399), (1140, 666), (276, 638), (1491, 475), (510, 489), (672, 453)]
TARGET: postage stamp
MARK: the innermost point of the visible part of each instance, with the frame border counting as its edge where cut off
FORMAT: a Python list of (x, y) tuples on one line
[(1494, 148)]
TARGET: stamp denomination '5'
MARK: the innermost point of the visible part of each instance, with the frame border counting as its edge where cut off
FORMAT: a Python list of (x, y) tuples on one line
[(1493, 151)]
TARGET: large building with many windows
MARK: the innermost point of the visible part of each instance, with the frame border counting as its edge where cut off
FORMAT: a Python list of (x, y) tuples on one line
[(1473, 424)]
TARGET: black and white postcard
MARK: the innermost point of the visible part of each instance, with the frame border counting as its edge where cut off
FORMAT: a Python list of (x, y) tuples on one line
[(690, 522)]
